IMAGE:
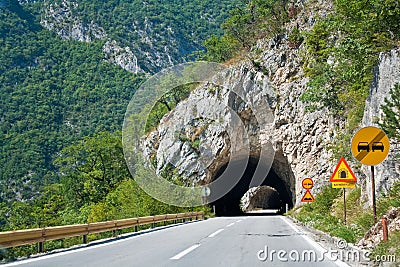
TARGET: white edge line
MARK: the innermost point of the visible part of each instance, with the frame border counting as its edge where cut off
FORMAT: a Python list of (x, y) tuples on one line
[(229, 225), (216, 233), (186, 251), (316, 245), (291, 225)]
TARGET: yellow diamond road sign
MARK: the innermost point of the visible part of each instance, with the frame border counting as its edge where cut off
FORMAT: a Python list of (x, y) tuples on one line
[(370, 146)]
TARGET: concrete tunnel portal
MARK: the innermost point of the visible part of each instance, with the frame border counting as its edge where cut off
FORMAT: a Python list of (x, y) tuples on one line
[(280, 181)]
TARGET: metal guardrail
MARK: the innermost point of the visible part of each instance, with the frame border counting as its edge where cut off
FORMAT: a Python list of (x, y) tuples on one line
[(40, 235)]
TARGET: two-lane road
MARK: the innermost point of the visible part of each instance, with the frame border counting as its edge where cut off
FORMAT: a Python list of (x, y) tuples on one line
[(229, 241)]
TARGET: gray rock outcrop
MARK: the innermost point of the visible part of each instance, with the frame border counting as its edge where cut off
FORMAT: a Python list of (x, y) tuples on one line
[(375, 235), (273, 79), (198, 148), (261, 197), (386, 75), (122, 57), (61, 19)]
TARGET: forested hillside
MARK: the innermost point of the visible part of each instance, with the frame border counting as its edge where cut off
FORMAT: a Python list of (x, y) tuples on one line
[(62, 101), (159, 33), (62, 104), (53, 92), (57, 90)]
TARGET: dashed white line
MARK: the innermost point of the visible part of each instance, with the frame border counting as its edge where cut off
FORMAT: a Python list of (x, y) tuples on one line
[(186, 251), (216, 233), (239, 221), (229, 225)]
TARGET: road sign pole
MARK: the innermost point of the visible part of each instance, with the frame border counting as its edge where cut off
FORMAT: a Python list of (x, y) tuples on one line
[(344, 205), (373, 192)]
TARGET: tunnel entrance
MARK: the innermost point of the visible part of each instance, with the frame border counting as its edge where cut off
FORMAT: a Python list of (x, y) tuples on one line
[(229, 204)]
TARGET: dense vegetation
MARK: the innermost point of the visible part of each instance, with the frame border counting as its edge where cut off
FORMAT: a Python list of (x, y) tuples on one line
[(391, 117), (62, 106), (53, 92), (159, 32), (326, 214), (248, 23), (342, 50)]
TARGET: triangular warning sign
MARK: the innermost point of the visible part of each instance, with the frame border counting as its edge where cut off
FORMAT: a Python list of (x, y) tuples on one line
[(343, 173), (308, 197)]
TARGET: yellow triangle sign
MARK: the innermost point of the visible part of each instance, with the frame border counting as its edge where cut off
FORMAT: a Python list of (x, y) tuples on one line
[(308, 197), (343, 173)]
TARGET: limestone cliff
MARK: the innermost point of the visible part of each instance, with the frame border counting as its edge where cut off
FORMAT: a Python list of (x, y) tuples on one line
[(199, 149), (386, 75), (273, 79)]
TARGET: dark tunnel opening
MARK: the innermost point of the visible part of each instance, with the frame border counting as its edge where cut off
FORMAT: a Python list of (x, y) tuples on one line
[(229, 204)]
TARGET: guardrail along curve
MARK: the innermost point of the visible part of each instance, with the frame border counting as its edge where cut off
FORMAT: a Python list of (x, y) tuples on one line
[(40, 235)]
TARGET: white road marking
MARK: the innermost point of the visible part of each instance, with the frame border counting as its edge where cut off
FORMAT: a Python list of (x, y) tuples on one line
[(216, 233), (229, 225), (316, 245), (186, 251), (94, 246), (239, 221), (291, 225)]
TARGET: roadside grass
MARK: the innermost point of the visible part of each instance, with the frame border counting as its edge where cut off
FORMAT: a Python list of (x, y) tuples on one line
[(326, 214), (388, 251)]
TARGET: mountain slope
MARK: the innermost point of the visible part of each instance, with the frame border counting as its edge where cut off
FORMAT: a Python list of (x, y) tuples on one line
[(159, 33), (55, 91)]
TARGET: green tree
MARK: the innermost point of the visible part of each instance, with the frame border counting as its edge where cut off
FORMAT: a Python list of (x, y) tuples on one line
[(91, 168), (391, 113)]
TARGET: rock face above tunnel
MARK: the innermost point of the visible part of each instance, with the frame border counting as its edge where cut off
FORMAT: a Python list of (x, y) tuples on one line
[(198, 146)]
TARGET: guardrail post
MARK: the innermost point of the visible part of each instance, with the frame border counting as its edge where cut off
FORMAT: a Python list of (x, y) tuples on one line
[(84, 239), (136, 228), (41, 247)]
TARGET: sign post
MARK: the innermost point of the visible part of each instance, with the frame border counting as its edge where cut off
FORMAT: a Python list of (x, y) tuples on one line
[(370, 146), (343, 177), (344, 205)]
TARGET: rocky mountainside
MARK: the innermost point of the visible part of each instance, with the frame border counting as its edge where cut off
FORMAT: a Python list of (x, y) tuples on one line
[(140, 35), (299, 138), (386, 75)]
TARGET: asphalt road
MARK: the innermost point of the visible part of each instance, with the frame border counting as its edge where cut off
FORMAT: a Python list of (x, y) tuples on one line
[(228, 241)]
